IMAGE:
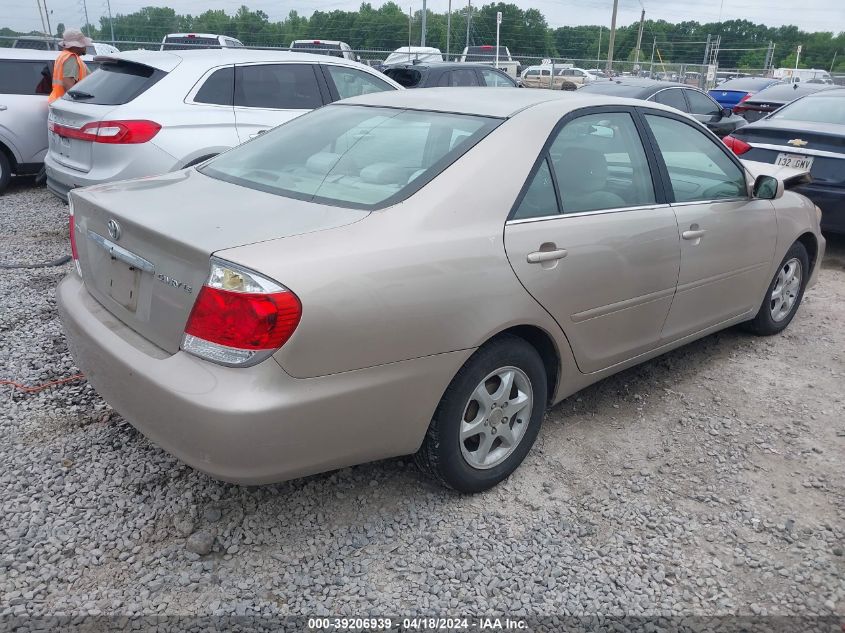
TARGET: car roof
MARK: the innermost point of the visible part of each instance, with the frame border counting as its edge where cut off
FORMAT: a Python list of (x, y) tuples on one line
[(508, 102), (210, 57), (195, 35), (632, 86), (788, 92), (444, 65), (318, 41), (27, 53)]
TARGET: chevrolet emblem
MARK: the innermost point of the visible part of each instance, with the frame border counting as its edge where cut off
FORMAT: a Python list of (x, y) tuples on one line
[(797, 142)]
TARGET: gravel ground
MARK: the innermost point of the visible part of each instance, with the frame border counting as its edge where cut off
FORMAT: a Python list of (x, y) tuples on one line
[(708, 481)]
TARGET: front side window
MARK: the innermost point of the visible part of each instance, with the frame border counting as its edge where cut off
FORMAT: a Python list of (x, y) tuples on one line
[(277, 86), (356, 156), (673, 98), (700, 103), (351, 82), (496, 80), (599, 163), (698, 168)]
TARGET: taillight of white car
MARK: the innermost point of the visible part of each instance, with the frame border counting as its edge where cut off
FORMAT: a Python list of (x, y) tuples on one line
[(240, 317), (113, 132)]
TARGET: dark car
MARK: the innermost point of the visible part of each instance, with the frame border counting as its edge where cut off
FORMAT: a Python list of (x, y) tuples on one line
[(684, 98), (808, 133), (734, 91), (770, 99), (449, 74)]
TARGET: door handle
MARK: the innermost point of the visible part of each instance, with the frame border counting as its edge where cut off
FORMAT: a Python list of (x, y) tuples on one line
[(2, 107), (693, 234), (258, 133), (538, 257)]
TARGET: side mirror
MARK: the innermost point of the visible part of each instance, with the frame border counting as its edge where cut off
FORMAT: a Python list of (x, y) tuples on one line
[(767, 188), (727, 113)]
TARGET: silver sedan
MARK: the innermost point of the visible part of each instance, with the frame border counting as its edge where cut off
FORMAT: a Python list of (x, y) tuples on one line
[(420, 272)]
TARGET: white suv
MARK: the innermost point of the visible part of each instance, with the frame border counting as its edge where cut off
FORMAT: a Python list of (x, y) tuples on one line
[(149, 112)]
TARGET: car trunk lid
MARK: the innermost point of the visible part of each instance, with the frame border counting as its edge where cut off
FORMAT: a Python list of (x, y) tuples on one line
[(826, 145), (144, 245), (69, 115)]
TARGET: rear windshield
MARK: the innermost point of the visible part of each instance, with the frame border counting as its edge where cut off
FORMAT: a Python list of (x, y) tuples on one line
[(746, 83), (115, 83), (319, 49), (406, 77), (24, 77), (486, 53), (36, 45), (785, 92), (352, 156), (815, 109), (187, 43)]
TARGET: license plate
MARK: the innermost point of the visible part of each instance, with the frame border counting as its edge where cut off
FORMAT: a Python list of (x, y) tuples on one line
[(61, 144), (796, 161), (124, 283)]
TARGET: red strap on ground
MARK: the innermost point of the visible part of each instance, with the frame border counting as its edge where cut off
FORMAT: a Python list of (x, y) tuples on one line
[(36, 388)]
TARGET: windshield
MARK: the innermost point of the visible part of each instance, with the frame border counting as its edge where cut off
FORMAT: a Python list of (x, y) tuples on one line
[(355, 156), (815, 109)]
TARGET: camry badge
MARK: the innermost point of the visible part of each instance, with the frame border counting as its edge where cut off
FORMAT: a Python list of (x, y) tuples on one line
[(797, 142), (114, 230)]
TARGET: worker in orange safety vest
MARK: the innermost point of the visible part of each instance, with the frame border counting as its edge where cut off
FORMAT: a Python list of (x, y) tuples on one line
[(69, 69)]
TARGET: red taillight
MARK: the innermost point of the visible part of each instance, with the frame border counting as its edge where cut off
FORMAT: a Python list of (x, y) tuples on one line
[(316, 42), (736, 145), (487, 47), (115, 132), (738, 108), (191, 35), (242, 320)]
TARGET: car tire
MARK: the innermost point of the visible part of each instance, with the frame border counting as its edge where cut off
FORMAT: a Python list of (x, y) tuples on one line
[(5, 171), (469, 462), (784, 294)]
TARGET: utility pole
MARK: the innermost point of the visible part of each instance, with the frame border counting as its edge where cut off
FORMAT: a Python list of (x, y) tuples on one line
[(410, 18), (41, 15), (598, 52), (111, 22), (612, 37), (448, 29), (47, 15), (422, 26), (833, 62), (706, 51), (797, 57), (85, 9), (651, 66), (640, 37), (469, 19)]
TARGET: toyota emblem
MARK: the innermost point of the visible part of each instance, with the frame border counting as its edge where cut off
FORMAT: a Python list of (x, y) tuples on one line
[(114, 229)]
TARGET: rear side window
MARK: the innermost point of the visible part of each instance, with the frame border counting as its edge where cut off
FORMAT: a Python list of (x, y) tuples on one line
[(277, 86), (407, 77), (115, 83), (462, 77), (219, 88), (26, 77), (351, 82)]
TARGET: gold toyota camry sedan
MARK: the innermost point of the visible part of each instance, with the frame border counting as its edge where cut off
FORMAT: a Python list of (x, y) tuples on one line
[(421, 272)]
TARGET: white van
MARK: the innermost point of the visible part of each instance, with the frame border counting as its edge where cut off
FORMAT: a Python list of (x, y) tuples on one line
[(187, 41), (324, 47), (410, 54), (815, 75)]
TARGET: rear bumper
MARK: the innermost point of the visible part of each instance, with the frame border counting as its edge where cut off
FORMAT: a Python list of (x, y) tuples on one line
[(116, 163), (831, 200), (257, 424)]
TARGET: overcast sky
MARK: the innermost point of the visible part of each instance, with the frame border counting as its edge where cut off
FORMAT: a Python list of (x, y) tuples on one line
[(809, 15)]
